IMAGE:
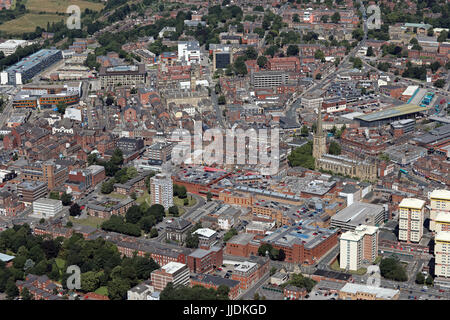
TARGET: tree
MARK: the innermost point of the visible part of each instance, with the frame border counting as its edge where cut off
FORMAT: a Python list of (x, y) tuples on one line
[(292, 50), (336, 17), (324, 18), (117, 157), (61, 107), (75, 210), (117, 289), (318, 76), (420, 278), (239, 67), (319, 55), (192, 240), (147, 223), (54, 195), (107, 187), (66, 199), (300, 281), (221, 100), (174, 211), (11, 289), (440, 83), (153, 233), (261, 61), (209, 196), (304, 132), (230, 234), (429, 280), (133, 214), (357, 63), (26, 295), (370, 52), (435, 66), (89, 281), (443, 36), (334, 148), (391, 268)]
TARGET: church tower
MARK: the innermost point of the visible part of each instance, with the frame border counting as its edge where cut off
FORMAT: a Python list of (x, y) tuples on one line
[(320, 139)]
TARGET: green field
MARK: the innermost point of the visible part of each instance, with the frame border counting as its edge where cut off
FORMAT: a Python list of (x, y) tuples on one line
[(118, 195), (145, 197), (29, 22), (102, 290), (89, 221), (335, 266), (60, 6)]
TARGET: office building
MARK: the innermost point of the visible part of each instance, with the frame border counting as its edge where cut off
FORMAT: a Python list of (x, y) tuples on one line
[(161, 187), (122, 75), (189, 52), (30, 66), (46, 208), (359, 213), (175, 272), (439, 205), (159, 152), (130, 144), (10, 46), (269, 79), (411, 217), (54, 175), (358, 246), (29, 191)]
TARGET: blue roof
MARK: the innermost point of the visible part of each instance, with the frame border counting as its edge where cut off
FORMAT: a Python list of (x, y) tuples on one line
[(5, 257), (28, 62)]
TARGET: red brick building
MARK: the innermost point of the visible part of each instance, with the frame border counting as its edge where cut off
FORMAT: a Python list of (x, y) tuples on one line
[(204, 261)]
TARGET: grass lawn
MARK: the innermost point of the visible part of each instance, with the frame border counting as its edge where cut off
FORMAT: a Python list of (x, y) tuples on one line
[(144, 198), (60, 263), (89, 221), (29, 22), (335, 266), (378, 260), (102, 290), (118, 195), (61, 5), (180, 202)]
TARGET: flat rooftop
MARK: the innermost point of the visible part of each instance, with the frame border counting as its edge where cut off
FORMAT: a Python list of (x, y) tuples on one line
[(357, 213), (401, 110), (382, 293), (173, 267), (412, 203)]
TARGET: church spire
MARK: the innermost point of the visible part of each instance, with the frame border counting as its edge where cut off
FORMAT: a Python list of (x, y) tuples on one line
[(319, 122)]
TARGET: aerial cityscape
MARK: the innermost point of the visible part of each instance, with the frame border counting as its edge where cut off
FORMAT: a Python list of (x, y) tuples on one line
[(225, 150)]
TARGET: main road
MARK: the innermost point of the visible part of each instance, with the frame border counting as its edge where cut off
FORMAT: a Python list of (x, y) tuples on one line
[(292, 107)]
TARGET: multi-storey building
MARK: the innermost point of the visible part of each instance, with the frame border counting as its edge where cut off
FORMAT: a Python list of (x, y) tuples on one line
[(411, 217), (442, 256), (49, 172), (158, 153), (29, 191), (358, 246), (439, 205), (46, 208), (175, 272), (269, 79), (122, 76), (161, 187), (30, 66)]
